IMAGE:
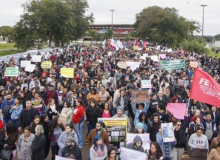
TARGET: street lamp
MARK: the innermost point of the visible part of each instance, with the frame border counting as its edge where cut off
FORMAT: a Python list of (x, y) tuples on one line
[(112, 21), (203, 5)]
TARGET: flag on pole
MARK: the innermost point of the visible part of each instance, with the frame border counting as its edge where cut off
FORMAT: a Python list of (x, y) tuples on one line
[(205, 89), (182, 51), (103, 43), (135, 42), (145, 44)]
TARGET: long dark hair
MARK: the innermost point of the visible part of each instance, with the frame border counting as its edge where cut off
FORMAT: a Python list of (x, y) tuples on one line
[(54, 124), (140, 117), (110, 150), (80, 102), (12, 131), (158, 151)]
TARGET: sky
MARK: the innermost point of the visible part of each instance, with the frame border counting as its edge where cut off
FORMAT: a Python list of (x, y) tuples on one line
[(125, 11)]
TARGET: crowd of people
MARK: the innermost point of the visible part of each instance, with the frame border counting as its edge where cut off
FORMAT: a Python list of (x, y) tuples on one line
[(41, 110)]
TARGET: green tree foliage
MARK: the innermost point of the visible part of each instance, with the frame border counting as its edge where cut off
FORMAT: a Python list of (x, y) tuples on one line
[(54, 20), (163, 26), (194, 46), (6, 31), (93, 34), (108, 34)]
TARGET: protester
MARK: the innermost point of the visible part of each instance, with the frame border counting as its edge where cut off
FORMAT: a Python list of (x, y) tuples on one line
[(15, 111), (155, 152), (35, 123), (106, 112), (68, 112), (44, 121), (214, 154), (154, 127), (98, 149), (38, 144), (24, 144), (63, 137), (136, 145), (112, 154), (144, 120), (215, 141)]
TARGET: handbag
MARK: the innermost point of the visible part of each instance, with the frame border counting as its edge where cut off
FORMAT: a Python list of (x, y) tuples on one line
[(6, 154)]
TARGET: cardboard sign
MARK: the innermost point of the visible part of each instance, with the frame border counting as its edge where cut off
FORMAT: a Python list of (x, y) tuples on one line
[(145, 83), (67, 72), (46, 64), (144, 137), (139, 96), (198, 154), (30, 68), (168, 132), (162, 56), (193, 64), (122, 65), (133, 65), (11, 72), (130, 154), (24, 64)]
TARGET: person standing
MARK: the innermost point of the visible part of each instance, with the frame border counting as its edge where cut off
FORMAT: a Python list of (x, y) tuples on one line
[(215, 153), (24, 144), (78, 120), (51, 93), (155, 152), (15, 111), (38, 144), (68, 112), (27, 116)]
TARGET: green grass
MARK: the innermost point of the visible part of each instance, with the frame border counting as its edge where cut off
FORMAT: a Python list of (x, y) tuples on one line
[(212, 53), (11, 51), (7, 46)]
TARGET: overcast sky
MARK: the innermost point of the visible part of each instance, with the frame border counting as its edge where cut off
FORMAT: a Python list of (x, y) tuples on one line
[(10, 11)]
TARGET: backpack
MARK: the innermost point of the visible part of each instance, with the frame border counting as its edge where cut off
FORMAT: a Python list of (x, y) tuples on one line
[(6, 109)]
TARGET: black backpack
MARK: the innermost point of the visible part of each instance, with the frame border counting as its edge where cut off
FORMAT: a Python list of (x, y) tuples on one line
[(6, 110)]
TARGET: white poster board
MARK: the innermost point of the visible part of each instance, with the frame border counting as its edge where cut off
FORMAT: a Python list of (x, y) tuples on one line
[(144, 137), (36, 58), (145, 83), (24, 63), (168, 132), (133, 65), (62, 158), (129, 154), (155, 58), (30, 68)]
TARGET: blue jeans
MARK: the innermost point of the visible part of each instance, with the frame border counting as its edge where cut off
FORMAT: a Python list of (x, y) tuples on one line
[(90, 127), (79, 131)]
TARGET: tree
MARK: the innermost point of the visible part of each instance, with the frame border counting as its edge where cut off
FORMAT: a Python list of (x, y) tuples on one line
[(194, 46), (57, 20), (108, 34), (6, 31), (93, 34), (163, 26)]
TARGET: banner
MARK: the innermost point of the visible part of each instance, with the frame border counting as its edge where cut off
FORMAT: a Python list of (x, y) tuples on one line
[(11, 72), (199, 154), (133, 65), (62, 158), (46, 64), (205, 89), (168, 132), (139, 96), (130, 154), (116, 129), (30, 68), (171, 65), (178, 110), (144, 137), (36, 58), (67, 72), (24, 63), (145, 83)]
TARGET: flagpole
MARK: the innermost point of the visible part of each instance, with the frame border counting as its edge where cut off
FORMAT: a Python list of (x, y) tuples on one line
[(112, 22)]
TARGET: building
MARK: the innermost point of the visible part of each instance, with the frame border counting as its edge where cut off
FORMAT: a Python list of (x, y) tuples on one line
[(120, 30)]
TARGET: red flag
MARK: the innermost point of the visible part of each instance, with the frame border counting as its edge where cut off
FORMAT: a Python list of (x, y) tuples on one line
[(122, 42), (129, 42), (136, 42), (205, 89), (182, 51), (144, 44)]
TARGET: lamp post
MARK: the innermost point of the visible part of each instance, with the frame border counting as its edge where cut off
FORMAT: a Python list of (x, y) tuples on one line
[(112, 21), (203, 5)]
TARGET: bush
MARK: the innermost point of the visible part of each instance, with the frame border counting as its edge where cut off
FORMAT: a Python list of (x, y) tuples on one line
[(194, 46)]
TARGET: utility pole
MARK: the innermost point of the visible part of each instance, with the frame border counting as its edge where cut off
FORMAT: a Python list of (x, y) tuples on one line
[(203, 5), (112, 21)]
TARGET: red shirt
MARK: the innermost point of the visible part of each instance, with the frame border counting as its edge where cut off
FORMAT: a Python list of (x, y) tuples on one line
[(78, 113)]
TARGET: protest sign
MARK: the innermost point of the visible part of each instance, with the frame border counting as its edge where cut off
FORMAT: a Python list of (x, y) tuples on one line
[(122, 65), (67, 72), (193, 64), (36, 58), (24, 63), (175, 64), (11, 72), (145, 55), (145, 83), (130, 154), (183, 82), (116, 129), (168, 132), (30, 68), (169, 50), (143, 58), (139, 96), (62, 158), (199, 154), (162, 56), (155, 58), (133, 65), (144, 137), (46, 64), (37, 104), (178, 110)]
